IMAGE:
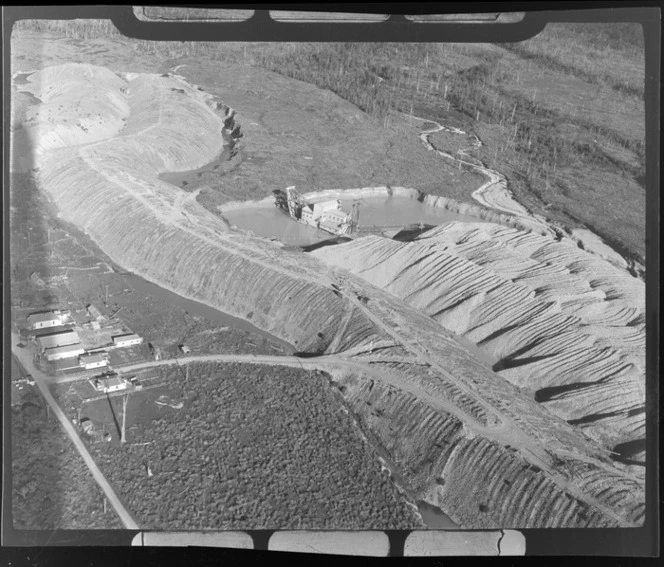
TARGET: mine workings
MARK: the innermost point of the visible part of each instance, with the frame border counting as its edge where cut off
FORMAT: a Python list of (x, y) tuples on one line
[(529, 441)]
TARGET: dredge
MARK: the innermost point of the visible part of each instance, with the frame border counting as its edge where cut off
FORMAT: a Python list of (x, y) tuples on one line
[(324, 215)]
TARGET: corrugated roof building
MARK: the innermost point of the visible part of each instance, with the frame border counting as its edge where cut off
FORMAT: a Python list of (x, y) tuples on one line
[(67, 351), (69, 337)]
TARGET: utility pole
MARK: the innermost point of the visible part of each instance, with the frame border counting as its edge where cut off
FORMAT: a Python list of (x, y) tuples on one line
[(125, 398)]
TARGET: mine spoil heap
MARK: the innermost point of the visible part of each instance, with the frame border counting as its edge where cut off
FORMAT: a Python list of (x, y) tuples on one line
[(565, 325), (458, 433)]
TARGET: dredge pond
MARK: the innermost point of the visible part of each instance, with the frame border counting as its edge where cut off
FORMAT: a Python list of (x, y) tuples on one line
[(381, 211)]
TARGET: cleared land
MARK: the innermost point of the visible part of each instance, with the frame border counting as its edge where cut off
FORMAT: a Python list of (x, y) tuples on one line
[(442, 420)]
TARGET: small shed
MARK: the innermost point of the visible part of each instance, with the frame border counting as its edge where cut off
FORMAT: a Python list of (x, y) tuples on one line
[(94, 312), (184, 349)]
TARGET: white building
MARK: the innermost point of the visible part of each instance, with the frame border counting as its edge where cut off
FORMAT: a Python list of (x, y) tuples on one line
[(66, 351), (325, 214), (127, 340), (92, 360), (45, 319), (110, 383)]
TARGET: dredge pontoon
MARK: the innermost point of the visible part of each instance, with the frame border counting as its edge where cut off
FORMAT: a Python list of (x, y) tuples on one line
[(325, 215)]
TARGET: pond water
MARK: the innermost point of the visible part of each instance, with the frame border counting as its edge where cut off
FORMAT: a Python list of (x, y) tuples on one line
[(21, 78), (202, 310), (270, 222), (386, 211), (184, 178), (435, 518)]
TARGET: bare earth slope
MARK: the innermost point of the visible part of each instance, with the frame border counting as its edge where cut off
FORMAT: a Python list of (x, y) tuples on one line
[(445, 421), (566, 326)]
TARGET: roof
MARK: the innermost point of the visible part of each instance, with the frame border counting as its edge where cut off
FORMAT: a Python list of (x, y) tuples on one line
[(43, 316), (94, 310), (111, 381), (52, 330), (65, 348), (92, 357), (128, 337), (58, 339)]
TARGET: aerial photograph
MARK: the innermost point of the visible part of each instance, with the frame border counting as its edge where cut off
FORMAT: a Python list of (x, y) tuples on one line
[(327, 286)]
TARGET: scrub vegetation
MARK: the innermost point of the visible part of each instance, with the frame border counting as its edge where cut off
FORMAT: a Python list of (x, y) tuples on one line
[(52, 488), (252, 447)]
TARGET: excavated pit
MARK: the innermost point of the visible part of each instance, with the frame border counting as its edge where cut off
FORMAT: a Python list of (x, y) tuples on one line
[(460, 436), (387, 211)]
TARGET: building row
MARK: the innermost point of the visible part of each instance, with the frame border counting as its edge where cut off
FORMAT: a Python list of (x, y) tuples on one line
[(67, 344)]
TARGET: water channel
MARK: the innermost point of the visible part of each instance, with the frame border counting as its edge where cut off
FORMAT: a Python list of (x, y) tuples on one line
[(202, 310)]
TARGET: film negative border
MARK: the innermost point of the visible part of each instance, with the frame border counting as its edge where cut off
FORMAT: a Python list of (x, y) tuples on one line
[(360, 543), (398, 543)]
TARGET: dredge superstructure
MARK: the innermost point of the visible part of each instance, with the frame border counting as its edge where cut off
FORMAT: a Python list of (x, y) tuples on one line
[(324, 215)]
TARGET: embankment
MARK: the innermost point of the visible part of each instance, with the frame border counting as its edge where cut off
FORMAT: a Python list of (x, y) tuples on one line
[(109, 188)]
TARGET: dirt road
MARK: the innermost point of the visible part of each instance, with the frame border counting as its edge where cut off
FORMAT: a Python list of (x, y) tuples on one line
[(501, 430), (23, 358)]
